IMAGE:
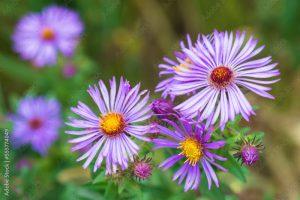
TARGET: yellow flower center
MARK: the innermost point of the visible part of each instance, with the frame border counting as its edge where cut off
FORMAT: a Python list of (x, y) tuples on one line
[(191, 148), (182, 65), (112, 124), (48, 34)]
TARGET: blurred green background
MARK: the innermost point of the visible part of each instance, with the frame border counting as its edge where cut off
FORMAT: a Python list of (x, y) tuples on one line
[(130, 38)]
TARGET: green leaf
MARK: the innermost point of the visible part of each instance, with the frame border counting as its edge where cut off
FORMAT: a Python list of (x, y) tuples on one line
[(18, 69), (122, 187), (257, 135), (244, 130), (111, 191), (214, 193), (233, 140), (100, 178), (235, 168), (79, 193)]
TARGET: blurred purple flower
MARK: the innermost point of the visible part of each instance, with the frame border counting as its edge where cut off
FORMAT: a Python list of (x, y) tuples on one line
[(39, 36), (215, 70), (109, 132), (192, 143), (23, 163), (69, 70), (36, 122)]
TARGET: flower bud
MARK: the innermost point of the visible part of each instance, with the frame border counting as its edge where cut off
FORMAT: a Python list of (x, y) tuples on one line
[(162, 108), (142, 168), (249, 151)]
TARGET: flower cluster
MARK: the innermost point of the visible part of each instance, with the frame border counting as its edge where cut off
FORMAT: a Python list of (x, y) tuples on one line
[(211, 75)]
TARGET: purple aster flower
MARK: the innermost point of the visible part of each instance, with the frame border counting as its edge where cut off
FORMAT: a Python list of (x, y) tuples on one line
[(170, 67), (39, 36), (249, 151), (110, 131), (192, 144), (36, 122), (142, 168), (219, 68), (162, 108)]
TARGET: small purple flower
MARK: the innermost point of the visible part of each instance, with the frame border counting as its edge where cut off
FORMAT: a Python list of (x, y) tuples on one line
[(36, 122), (162, 108), (111, 131), (142, 168), (216, 69), (192, 144), (39, 36), (69, 70), (249, 151)]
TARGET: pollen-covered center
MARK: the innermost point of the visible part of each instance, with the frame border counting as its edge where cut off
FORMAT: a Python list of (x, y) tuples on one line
[(191, 148), (112, 124), (182, 65), (48, 34), (221, 77)]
